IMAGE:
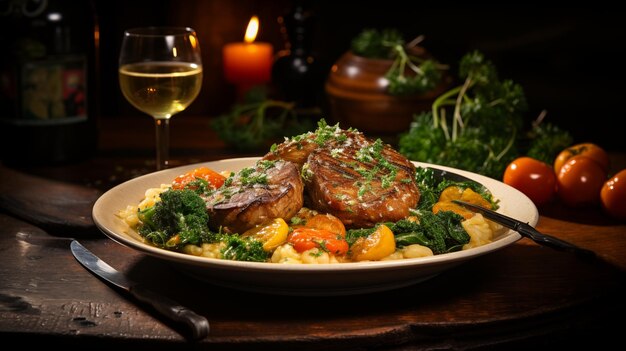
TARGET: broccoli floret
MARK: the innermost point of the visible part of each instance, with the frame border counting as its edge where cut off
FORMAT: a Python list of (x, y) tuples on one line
[(243, 249), (179, 218)]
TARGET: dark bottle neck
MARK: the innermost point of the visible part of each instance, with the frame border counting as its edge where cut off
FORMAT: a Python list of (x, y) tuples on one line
[(297, 26)]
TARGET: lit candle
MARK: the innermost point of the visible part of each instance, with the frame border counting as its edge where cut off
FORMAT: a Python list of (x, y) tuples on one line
[(248, 63)]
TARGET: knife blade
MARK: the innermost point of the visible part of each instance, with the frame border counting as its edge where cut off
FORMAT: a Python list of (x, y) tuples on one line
[(198, 325), (526, 230)]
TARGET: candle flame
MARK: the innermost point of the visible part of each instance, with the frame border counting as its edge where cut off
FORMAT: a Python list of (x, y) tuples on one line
[(252, 30)]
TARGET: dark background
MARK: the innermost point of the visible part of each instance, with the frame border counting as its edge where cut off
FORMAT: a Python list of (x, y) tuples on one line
[(569, 61)]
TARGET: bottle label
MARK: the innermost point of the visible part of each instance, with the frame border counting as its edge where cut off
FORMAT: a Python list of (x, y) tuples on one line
[(51, 92)]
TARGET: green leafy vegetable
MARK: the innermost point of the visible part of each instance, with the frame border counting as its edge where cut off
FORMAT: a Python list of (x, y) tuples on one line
[(179, 218), (409, 233), (431, 188), (425, 178), (353, 234), (258, 122), (409, 74), (478, 125), (435, 231), (243, 249), (412, 237), (441, 232), (376, 44), (547, 140), (457, 237), (200, 186)]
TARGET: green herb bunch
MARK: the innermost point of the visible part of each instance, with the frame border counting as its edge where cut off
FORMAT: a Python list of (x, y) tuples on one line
[(409, 74), (479, 125), (259, 121)]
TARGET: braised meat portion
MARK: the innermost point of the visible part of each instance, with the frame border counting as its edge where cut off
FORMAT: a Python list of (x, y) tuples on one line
[(270, 189), (361, 182), (358, 180), (296, 150)]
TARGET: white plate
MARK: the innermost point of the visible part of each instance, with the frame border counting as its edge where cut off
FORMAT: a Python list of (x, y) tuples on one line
[(301, 279)]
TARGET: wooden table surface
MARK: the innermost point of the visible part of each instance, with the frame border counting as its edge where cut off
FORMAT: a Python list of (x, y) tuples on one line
[(519, 297)]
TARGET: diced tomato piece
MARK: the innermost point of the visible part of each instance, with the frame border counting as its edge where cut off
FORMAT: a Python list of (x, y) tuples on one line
[(214, 179), (327, 222), (304, 239)]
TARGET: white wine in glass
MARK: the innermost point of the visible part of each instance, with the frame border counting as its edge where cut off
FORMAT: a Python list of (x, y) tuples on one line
[(160, 73)]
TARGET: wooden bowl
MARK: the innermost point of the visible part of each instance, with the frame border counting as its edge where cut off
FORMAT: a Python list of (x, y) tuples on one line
[(358, 98)]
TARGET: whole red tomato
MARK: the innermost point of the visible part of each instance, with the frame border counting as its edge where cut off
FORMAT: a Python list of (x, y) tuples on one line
[(613, 195), (590, 150), (532, 177), (580, 181)]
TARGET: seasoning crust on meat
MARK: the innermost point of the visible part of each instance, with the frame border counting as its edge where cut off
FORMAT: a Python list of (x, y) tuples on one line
[(358, 180), (271, 189)]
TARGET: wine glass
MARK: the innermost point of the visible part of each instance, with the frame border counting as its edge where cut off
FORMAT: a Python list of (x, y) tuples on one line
[(160, 73)]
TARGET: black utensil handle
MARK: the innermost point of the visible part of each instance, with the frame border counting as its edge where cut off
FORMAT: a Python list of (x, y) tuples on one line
[(554, 242), (198, 325)]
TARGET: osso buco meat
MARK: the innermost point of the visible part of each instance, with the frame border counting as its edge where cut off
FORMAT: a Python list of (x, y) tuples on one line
[(270, 189), (358, 180)]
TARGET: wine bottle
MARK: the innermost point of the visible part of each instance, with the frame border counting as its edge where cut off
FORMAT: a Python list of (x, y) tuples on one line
[(296, 72), (48, 111)]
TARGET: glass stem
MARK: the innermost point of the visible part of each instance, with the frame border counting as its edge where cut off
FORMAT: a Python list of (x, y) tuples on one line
[(162, 142)]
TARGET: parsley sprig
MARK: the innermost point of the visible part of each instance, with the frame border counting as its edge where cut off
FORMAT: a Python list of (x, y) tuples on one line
[(478, 125), (409, 74), (258, 121)]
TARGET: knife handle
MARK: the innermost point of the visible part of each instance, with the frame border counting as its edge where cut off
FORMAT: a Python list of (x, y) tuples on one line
[(198, 325)]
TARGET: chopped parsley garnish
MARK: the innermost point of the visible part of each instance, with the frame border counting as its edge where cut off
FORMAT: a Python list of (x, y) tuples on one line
[(322, 246), (306, 172), (251, 176), (297, 221), (229, 180), (373, 154)]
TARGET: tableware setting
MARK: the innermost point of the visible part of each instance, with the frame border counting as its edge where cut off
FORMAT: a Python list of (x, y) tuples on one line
[(312, 280)]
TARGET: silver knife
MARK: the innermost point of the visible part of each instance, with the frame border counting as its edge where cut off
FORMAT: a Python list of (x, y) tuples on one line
[(528, 231), (198, 325)]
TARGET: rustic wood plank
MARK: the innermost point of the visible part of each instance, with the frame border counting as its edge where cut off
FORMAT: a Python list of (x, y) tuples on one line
[(54, 205), (588, 227), (513, 295)]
